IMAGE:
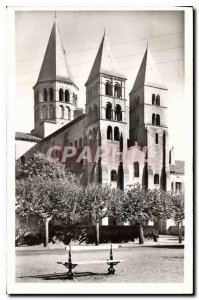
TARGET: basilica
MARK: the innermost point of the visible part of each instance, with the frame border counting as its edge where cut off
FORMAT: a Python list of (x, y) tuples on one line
[(134, 124)]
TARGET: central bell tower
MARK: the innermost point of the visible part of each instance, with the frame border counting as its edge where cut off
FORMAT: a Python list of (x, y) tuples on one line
[(55, 93), (107, 112)]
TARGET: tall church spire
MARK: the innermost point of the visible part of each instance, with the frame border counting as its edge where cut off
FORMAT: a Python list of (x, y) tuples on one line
[(148, 74), (104, 62), (54, 66)]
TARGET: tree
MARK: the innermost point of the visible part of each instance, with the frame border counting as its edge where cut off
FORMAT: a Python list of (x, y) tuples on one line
[(47, 190), (135, 208), (178, 211), (97, 201), (39, 165), (140, 206)]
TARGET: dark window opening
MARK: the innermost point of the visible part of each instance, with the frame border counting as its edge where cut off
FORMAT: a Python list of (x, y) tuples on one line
[(68, 113), (117, 91), (67, 96), (45, 95), (113, 175), (136, 169), (108, 89), (62, 111), (156, 138), (158, 100), (109, 111), (153, 119), (51, 94), (61, 95), (118, 113), (116, 134), (153, 99), (158, 120), (178, 186), (156, 179), (109, 133)]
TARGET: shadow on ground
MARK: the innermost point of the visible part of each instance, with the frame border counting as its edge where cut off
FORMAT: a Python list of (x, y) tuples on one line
[(58, 276)]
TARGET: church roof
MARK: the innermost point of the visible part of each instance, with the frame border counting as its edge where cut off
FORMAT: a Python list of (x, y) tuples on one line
[(148, 74), (23, 136), (178, 168), (104, 62), (54, 66)]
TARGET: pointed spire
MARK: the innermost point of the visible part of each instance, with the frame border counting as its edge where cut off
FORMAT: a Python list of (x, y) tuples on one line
[(104, 61), (54, 66), (148, 74)]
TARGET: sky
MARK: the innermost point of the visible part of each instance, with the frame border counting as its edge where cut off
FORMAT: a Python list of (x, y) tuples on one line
[(128, 33)]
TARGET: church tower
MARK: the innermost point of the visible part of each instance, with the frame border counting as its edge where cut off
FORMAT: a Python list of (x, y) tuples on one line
[(148, 123), (55, 93), (107, 113)]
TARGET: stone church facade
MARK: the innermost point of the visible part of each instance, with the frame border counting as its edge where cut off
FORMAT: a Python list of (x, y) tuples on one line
[(133, 126)]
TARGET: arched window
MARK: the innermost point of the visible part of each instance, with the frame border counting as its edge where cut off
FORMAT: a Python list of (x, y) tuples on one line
[(117, 91), (153, 99), (61, 95), (74, 98), (68, 113), (44, 112), (156, 179), (75, 143), (108, 89), (153, 119), (156, 138), (108, 111), (51, 91), (116, 134), (158, 120), (118, 113), (62, 111), (109, 133), (136, 169), (113, 175), (158, 100), (45, 94), (67, 96), (51, 112)]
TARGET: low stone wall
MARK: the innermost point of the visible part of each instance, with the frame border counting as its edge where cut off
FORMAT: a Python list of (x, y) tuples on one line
[(30, 230), (107, 234)]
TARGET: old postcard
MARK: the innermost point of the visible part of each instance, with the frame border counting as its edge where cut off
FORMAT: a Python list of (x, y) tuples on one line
[(100, 193)]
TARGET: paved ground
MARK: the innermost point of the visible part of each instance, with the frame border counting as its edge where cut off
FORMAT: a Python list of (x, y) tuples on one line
[(142, 264)]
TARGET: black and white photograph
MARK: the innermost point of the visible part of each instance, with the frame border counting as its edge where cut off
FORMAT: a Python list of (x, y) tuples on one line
[(101, 107)]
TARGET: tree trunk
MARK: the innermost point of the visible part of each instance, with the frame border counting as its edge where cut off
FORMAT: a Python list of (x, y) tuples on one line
[(141, 235), (180, 231), (97, 230), (46, 237)]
